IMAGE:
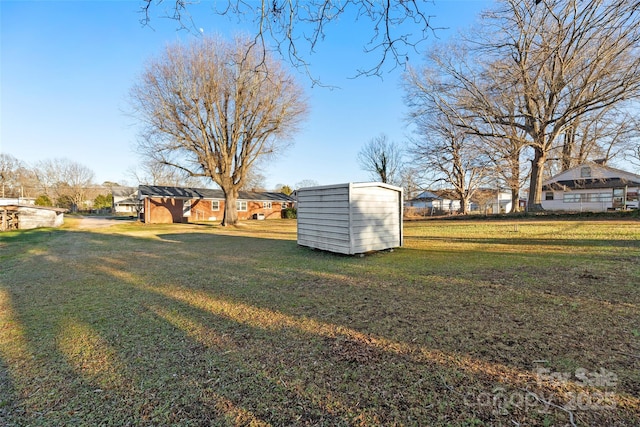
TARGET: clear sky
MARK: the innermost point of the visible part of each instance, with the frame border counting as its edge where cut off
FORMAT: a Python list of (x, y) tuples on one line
[(67, 66)]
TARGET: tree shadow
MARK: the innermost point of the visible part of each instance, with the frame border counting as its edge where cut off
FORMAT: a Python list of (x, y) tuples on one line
[(232, 330)]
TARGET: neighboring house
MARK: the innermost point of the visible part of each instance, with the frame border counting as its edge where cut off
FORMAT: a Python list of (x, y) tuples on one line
[(441, 201), (125, 200), (446, 202), (591, 187), (177, 204), (25, 217)]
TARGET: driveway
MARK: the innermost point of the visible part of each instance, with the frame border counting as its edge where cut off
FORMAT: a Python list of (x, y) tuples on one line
[(90, 222)]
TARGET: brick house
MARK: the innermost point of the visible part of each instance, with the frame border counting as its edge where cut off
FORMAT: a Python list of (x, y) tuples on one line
[(163, 205)]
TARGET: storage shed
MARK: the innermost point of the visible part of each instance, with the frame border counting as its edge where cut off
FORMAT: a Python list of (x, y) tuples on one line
[(26, 217), (350, 218)]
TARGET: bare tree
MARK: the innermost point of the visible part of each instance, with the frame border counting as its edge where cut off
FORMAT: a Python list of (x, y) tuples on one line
[(567, 59), (602, 135), (9, 175), (151, 172), (296, 28), (382, 159), (213, 108), (632, 155), (67, 181), (254, 181), (449, 148), (449, 156), (410, 181), (540, 67), (306, 183)]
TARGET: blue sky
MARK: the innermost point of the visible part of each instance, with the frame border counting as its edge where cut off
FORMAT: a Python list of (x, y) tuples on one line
[(66, 69)]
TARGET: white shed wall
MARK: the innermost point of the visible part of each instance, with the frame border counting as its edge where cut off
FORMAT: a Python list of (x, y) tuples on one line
[(350, 218), (29, 218)]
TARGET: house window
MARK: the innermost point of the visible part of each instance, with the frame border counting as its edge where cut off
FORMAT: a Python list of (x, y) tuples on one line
[(548, 195), (266, 205), (586, 197), (571, 198), (585, 172), (241, 205), (215, 205)]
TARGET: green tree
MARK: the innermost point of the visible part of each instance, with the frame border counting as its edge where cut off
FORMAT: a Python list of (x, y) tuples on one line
[(43, 200), (103, 201), (283, 188)]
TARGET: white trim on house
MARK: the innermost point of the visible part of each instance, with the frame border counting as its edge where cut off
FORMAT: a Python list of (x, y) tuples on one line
[(591, 187)]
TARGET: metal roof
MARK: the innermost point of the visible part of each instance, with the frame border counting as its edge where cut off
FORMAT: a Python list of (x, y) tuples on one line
[(207, 193), (589, 183)]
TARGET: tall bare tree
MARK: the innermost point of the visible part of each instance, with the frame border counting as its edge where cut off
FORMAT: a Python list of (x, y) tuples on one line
[(602, 135), (382, 159), (566, 59), (149, 171), (632, 155), (70, 183), (10, 168), (435, 96), (450, 160), (448, 154), (212, 108), (306, 183), (540, 67), (296, 28)]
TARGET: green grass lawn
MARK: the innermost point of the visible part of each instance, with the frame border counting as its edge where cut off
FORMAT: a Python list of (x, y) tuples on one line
[(470, 323)]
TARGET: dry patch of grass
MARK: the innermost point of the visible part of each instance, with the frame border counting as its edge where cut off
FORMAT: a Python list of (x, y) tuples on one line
[(470, 323)]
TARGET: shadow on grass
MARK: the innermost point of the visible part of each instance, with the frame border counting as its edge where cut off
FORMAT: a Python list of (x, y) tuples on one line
[(530, 242), (213, 329)]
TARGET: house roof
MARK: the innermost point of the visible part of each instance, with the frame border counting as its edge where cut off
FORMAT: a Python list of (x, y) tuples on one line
[(127, 201), (426, 195), (596, 176), (442, 194), (207, 193), (600, 177), (592, 183), (123, 191)]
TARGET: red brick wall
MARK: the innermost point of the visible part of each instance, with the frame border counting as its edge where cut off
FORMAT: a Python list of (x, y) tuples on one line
[(164, 211), (201, 210)]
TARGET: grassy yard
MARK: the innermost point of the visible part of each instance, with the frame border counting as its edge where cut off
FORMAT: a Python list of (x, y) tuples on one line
[(470, 323)]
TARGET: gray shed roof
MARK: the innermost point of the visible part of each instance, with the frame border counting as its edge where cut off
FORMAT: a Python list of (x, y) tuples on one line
[(206, 193)]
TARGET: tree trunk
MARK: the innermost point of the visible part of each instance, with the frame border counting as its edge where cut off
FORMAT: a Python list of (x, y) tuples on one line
[(230, 208), (514, 182), (567, 148), (463, 206), (535, 186), (515, 200)]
